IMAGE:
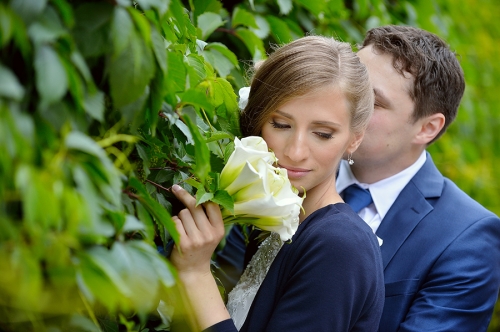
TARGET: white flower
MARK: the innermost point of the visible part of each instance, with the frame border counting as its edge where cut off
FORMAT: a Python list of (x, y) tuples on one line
[(244, 93), (263, 196)]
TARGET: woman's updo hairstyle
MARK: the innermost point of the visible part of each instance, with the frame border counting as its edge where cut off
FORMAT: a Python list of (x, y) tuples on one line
[(302, 66)]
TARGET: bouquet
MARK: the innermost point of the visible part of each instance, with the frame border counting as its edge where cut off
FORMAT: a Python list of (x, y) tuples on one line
[(262, 194)]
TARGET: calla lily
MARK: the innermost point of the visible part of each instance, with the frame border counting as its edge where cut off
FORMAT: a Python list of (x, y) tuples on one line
[(263, 195)]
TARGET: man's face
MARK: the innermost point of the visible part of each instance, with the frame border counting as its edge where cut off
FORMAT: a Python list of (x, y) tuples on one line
[(387, 146)]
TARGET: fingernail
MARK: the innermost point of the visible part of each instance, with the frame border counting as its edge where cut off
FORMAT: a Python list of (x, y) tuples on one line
[(176, 187)]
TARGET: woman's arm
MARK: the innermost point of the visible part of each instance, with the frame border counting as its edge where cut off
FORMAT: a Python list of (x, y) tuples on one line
[(201, 228)]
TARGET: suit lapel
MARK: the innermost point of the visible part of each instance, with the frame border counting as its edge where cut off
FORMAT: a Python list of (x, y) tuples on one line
[(409, 209)]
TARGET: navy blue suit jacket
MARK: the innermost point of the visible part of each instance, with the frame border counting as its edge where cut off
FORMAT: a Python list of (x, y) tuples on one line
[(441, 256), (329, 278)]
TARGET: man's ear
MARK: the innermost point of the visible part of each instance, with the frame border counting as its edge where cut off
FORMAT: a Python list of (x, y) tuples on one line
[(430, 127), (356, 141)]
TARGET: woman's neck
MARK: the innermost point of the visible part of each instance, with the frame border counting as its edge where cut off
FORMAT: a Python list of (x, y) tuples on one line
[(316, 200)]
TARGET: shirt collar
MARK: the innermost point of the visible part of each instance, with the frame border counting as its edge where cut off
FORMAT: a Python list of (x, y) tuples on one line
[(384, 192)]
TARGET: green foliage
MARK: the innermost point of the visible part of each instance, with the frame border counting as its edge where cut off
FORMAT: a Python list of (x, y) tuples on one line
[(104, 105)]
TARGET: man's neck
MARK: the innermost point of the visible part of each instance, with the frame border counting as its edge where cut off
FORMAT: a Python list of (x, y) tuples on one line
[(373, 172)]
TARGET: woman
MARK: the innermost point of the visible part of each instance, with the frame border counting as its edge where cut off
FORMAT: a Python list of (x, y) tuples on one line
[(311, 101)]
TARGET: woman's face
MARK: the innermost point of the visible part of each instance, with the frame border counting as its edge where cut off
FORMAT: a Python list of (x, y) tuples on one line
[(309, 136)]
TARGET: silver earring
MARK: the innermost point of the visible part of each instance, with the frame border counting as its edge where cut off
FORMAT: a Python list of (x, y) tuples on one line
[(350, 161)]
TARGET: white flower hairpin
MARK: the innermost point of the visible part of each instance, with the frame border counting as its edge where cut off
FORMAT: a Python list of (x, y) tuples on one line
[(244, 93)]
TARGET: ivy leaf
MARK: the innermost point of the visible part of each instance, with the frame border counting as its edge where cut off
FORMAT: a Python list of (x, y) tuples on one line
[(94, 105), (219, 62), (202, 154), (285, 6), (279, 29), (176, 72), (253, 43), (315, 7), (121, 29), (207, 23), (28, 9), (243, 17), (159, 49), (225, 200), (225, 93), (51, 78), (160, 214), (160, 5), (218, 135), (9, 84), (131, 72), (221, 48), (202, 196)]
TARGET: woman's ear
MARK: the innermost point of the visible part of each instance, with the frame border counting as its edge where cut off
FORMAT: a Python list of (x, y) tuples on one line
[(355, 142)]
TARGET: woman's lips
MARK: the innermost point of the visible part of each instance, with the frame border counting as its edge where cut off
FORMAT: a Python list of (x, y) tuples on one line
[(294, 172)]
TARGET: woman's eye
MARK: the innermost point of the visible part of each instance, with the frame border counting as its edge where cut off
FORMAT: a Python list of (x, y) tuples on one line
[(279, 125), (324, 135)]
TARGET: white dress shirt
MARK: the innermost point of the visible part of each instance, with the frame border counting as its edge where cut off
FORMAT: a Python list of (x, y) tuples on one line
[(384, 192)]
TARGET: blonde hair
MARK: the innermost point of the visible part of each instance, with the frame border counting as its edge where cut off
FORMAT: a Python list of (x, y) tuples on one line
[(302, 66)]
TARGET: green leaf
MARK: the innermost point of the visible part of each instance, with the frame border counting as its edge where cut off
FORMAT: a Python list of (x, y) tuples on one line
[(121, 29), (6, 26), (207, 23), (224, 92), (9, 84), (202, 196), (28, 9), (51, 78), (202, 154), (280, 30), (131, 72), (196, 68), (202, 6), (145, 218), (142, 24), (176, 72), (94, 105), (221, 63), (315, 7), (243, 17), (160, 214), (48, 28), (221, 48), (263, 27), (79, 141), (160, 5), (225, 200), (218, 135), (196, 97), (285, 6), (159, 49), (253, 43)]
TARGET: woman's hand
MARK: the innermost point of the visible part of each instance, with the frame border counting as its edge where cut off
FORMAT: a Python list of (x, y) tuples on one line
[(201, 228)]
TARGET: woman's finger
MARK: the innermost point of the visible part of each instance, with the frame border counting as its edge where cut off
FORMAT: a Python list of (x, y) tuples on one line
[(198, 215), (214, 214)]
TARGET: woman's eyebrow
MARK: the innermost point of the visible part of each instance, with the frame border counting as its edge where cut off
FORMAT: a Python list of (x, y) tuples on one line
[(321, 123)]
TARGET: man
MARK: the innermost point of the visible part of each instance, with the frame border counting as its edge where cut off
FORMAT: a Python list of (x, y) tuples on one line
[(441, 249)]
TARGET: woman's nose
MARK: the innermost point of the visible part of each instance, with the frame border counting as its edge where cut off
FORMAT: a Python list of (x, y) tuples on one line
[(296, 148)]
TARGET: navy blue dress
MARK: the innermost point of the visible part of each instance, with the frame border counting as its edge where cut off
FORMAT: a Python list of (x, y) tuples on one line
[(329, 278)]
